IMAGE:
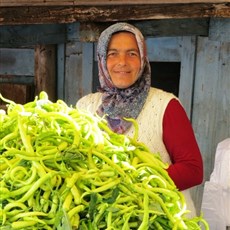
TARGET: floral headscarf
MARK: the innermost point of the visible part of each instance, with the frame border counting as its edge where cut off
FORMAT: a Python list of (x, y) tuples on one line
[(122, 103)]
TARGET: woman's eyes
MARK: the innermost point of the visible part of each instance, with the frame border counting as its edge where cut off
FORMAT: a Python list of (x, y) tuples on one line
[(111, 54), (130, 53), (133, 53)]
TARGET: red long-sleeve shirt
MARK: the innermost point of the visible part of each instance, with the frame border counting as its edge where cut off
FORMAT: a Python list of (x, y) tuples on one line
[(186, 169)]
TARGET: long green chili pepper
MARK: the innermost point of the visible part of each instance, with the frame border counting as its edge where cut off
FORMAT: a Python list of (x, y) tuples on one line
[(62, 168)]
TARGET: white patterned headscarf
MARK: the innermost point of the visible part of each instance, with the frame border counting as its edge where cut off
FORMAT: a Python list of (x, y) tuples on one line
[(122, 103)]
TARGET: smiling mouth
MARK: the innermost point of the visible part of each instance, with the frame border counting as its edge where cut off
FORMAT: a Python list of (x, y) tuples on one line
[(122, 72)]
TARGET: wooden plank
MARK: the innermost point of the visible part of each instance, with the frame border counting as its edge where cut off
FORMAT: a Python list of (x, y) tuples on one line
[(222, 107), (29, 35), (15, 36), (220, 29), (12, 79), (79, 71), (109, 13), (90, 31), (98, 2), (45, 70), (73, 33), (73, 72), (205, 98), (165, 49), (17, 61), (87, 69), (188, 56), (60, 71)]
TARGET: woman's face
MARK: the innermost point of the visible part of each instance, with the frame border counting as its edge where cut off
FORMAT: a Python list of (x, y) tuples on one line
[(123, 59)]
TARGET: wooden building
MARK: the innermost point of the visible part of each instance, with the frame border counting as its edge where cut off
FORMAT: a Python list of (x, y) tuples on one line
[(50, 45)]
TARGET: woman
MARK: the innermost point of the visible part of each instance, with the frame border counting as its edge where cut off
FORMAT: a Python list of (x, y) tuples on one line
[(125, 91)]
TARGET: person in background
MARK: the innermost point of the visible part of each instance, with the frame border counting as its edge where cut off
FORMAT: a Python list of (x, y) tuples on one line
[(125, 92)]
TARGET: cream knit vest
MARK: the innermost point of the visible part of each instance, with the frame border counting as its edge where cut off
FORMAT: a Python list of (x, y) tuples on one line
[(150, 122)]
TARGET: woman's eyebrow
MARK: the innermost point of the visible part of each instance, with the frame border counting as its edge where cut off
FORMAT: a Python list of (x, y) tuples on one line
[(115, 49), (134, 49)]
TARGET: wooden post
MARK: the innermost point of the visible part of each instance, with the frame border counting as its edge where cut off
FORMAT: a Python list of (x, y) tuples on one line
[(45, 70)]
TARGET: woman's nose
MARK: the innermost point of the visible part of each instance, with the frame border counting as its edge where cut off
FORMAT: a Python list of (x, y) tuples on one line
[(122, 59)]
